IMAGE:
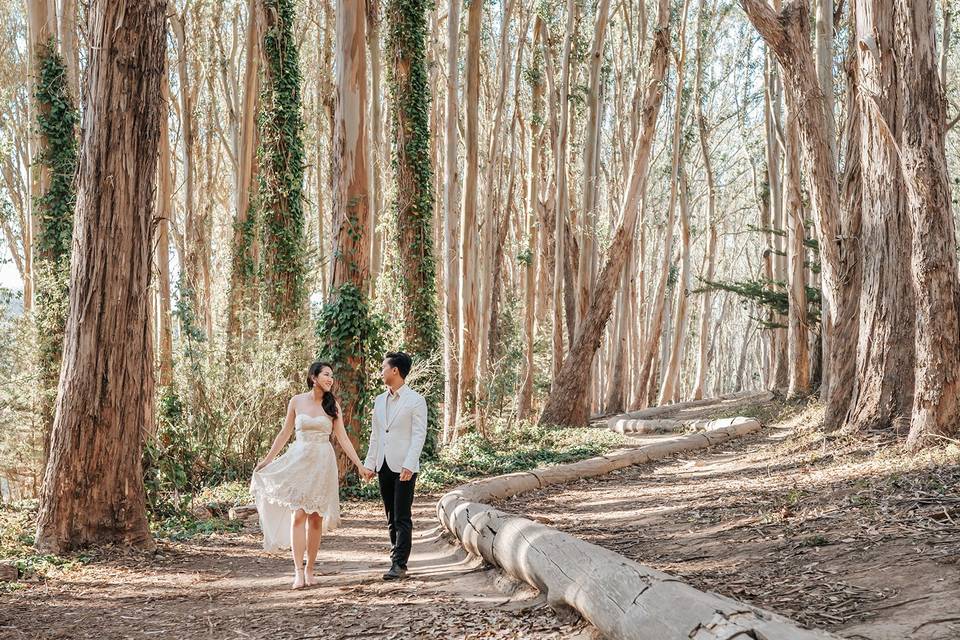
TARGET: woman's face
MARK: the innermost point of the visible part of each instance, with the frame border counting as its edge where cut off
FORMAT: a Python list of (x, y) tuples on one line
[(324, 379)]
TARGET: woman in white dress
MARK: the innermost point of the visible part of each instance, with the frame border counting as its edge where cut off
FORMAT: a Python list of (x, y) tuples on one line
[(297, 494)]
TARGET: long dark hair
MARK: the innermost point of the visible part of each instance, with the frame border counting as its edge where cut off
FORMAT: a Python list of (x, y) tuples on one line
[(329, 402)]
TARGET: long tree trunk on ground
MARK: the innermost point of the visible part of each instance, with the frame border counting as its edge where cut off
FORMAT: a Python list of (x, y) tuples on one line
[(451, 228), (346, 315), (469, 321), (936, 409), (242, 265), (881, 392), (787, 34), (93, 487), (281, 169), (413, 191), (566, 404)]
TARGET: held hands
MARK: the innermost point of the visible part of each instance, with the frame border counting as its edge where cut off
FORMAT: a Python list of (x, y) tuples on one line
[(366, 474)]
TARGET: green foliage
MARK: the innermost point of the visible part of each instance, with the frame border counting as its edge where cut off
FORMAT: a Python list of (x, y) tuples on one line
[(17, 526), (281, 163), (769, 294), (22, 426), (351, 337), (217, 418), (57, 119), (509, 448)]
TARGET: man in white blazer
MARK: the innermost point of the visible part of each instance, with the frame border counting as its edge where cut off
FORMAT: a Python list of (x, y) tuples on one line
[(397, 435)]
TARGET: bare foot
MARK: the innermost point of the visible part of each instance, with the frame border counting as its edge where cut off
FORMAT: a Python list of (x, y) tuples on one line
[(297, 581), (309, 578)]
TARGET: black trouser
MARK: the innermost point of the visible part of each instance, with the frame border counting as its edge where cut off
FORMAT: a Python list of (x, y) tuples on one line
[(398, 501)]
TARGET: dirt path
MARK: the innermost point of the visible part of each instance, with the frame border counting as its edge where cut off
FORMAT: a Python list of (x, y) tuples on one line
[(847, 535), (226, 587)]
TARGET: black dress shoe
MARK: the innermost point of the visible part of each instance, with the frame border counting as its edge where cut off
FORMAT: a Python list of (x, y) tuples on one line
[(396, 572)]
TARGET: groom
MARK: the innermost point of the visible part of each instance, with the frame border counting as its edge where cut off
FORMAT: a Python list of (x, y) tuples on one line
[(396, 440)]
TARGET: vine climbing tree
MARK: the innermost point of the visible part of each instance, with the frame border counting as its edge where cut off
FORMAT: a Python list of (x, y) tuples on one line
[(281, 160), (57, 119), (346, 329), (414, 199)]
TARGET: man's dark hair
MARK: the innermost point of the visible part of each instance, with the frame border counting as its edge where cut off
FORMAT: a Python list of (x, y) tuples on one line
[(401, 361)]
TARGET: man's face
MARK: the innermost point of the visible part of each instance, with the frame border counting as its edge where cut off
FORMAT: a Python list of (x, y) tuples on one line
[(389, 373)]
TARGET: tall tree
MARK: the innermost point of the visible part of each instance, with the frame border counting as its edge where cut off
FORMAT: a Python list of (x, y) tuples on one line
[(55, 165), (410, 93), (469, 230), (787, 35), (243, 267), (936, 408), (566, 404), (346, 315), (451, 227), (281, 168), (881, 392), (647, 377), (93, 487)]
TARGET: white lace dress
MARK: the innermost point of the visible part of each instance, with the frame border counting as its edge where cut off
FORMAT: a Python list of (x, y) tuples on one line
[(304, 477)]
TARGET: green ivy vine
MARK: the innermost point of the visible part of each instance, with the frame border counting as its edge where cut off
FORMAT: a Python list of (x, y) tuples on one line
[(57, 119), (281, 162), (414, 201)]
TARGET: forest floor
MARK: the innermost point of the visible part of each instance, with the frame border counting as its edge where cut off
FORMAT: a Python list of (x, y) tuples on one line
[(844, 533), (225, 586), (849, 534)]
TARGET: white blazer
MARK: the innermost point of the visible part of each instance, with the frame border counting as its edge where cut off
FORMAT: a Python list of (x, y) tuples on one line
[(399, 441)]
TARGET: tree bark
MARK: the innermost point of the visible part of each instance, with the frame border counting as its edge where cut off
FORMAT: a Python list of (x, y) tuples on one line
[(936, 408), (93, 488), (787, 34), (451, 228), (703, 129), (648, 378), (242, 262), (469, 323), (566, 404), (591, 163), (881, 392), (164, 216), (351, 195), (413, 188), (798, 327), (379, 147)]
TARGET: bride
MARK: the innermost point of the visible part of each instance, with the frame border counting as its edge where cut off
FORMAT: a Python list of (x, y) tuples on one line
[(297, 494)]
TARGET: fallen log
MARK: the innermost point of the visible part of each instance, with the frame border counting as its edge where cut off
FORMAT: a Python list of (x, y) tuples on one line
[(668, 410), (630, 426), (621, 598), (242, 512)]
